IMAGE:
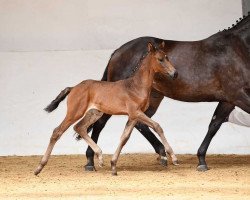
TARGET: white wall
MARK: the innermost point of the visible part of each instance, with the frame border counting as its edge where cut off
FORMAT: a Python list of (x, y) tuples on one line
[(84, 34), (37, 25)]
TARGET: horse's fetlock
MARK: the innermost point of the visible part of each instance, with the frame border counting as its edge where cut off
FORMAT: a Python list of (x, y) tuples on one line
[(113, 162), (44, 162), (99, 152)]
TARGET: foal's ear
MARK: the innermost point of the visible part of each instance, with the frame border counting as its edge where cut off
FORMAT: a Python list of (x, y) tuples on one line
[(151, 48), (162, 45)]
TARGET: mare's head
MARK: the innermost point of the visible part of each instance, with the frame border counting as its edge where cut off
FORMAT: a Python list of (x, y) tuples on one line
[(160, 61)]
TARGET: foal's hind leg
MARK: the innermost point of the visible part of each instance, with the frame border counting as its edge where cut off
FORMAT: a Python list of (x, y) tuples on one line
[(57, 133), (97, 128), (124, 138), (157, 128), (81, 128)]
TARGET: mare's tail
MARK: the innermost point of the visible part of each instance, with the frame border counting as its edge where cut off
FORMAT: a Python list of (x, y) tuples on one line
[(54, 104)]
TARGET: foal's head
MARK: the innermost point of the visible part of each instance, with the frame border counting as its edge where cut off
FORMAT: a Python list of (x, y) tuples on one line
[(160, 61)]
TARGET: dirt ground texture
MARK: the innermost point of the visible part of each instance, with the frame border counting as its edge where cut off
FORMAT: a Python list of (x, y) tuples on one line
[(140, 176)]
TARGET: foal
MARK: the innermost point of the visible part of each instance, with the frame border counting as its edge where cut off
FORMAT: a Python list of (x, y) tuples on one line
[(90, 99)]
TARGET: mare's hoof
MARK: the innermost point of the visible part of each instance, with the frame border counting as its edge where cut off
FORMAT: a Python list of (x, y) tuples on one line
[(89, 168), (202, 168), (164, 161), (114, 173)]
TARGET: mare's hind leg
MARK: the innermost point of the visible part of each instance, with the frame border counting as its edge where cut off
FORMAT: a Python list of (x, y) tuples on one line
[(57, 133), (157, 128), (221, 113), (124, 138), (81, 128), (244, 100)]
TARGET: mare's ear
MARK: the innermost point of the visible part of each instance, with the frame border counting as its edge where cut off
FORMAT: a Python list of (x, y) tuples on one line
[(151, 48), (162, 45)]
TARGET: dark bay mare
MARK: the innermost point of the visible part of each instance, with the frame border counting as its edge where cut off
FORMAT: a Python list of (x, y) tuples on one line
[(215, 69)]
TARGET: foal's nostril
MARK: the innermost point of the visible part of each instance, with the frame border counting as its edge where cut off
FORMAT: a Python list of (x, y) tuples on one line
[(175, 74)]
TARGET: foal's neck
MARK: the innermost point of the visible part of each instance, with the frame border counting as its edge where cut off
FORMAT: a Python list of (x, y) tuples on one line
[(143, 78)]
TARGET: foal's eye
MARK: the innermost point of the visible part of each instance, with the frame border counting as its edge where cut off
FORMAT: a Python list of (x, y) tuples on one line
[(160, 59)]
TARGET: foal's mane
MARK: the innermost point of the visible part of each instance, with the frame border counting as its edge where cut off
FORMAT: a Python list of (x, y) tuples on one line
[(137, 66)]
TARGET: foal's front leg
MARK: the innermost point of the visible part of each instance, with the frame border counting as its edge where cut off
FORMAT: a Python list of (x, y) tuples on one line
[(157, 128), (124, 138)]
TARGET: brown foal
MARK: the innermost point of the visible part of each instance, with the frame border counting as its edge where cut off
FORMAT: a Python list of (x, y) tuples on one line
[(90, 99)]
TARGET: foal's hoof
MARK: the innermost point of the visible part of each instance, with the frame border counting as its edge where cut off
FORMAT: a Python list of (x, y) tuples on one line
[(89, 168), (163, 161), (176, 163), (37, 172), (202, 168), (101, 164)]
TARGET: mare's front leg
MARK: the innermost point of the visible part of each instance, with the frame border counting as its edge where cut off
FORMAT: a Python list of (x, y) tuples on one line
[(221, 113), (157, 128), (124, 138)]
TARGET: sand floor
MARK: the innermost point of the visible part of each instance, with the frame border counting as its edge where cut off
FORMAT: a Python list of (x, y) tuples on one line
[(139, 177)]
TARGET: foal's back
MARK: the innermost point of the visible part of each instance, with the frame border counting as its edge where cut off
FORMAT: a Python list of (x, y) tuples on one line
[(108, 97)]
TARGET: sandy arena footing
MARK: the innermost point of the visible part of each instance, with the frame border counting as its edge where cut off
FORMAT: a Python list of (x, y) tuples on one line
[(140, 176)]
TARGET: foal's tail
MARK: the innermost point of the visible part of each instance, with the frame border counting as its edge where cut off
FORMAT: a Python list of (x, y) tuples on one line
[(54, 104)]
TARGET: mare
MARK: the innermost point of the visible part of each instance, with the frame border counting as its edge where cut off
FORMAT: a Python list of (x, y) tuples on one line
[(215, 69), (90, 99)]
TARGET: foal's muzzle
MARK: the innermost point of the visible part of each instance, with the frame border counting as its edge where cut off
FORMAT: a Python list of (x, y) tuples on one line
[(174, 75)]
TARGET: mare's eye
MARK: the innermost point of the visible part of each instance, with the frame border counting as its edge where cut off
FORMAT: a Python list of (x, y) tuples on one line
[(160, 59)]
